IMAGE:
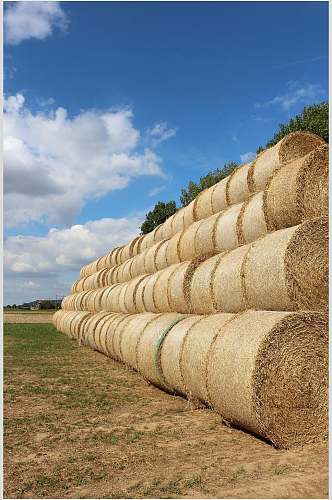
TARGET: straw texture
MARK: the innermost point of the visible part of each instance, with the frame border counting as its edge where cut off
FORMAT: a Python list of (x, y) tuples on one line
[(148, 345), (298, 191), (291, 147), (267, 372)]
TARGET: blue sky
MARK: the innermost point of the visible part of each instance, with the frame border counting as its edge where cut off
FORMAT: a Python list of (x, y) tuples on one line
[(183, 87)]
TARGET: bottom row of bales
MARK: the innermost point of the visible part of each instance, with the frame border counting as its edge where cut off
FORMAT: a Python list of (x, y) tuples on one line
[(263, 371)]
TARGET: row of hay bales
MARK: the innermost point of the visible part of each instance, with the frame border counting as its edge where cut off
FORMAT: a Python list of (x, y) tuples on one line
[(296, 192), (236, 188), (230, 310), (262, 370), (285, 270)]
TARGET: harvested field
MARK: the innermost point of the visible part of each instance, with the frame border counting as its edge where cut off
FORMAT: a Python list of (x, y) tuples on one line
[(28, 317), (79, 425)]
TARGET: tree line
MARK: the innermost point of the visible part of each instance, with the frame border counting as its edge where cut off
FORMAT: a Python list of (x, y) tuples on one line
[(313, 119)]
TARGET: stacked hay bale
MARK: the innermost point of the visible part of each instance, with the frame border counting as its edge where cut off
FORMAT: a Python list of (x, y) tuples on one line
[(225, 303)]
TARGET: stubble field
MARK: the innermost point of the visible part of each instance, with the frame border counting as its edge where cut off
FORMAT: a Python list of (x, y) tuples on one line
[(79, 425)]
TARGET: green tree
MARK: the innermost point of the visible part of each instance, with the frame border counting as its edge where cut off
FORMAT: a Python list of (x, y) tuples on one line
[(313, 119), (188, 194), (158, 215), (46, 304)]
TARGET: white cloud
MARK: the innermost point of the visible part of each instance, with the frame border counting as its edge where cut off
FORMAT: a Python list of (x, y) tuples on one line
[(25, 20), (50, 263), (247, 157), (156, 190), (55, 163), (160, 132), (296, 94)]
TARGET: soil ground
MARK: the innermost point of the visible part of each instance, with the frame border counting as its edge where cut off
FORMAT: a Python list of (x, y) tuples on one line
[(79, 425)]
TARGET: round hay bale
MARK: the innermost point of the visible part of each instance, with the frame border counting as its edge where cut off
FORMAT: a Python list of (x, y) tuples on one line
[(120, 255), (160, 291), (109, 276), (148, 293), (125, 274), (104, 333), (188, 214), (132, 246), (203, 205), (138, 265), (186, 243), (56, 317), (158, 233), (161, 261), (104, 300), (193, 355), (137, 245), (218, 196), (291, 147), (204, 242), (90, 328), (149, 239), (122, 298), (172, 251), (166, 231), (225, 233), (125, 255), (113, 298), (96, 340), (139, 294), (87, 337), (130, 336), (175, 289), (103, 262), (148, 348), (84, 300), (117, 337), (178, 221), (228, 290), (170, 353), (97, 299), (299, 190), (150, 264), (198, 283), (73, 287), (130, 294), (268, 373), (114, 276), (108, 332), (78, 331), (237, 187), (288, 269), (251, 223)]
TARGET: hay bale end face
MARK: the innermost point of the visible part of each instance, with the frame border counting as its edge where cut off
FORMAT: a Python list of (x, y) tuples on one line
[(267, 372)]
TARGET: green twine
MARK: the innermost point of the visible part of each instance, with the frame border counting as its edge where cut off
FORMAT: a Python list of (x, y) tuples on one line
[(159, 344)]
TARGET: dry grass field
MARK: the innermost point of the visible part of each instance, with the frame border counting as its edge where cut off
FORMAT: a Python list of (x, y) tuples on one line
[(28, 316), (79, 425)]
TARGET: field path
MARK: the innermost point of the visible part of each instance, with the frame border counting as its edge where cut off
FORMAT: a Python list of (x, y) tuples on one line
[(79, 425)]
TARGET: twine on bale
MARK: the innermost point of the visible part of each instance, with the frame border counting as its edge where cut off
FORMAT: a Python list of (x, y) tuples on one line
[(159, 344)]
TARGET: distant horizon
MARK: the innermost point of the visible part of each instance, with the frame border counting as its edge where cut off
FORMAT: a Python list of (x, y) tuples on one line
[(113, 106)]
